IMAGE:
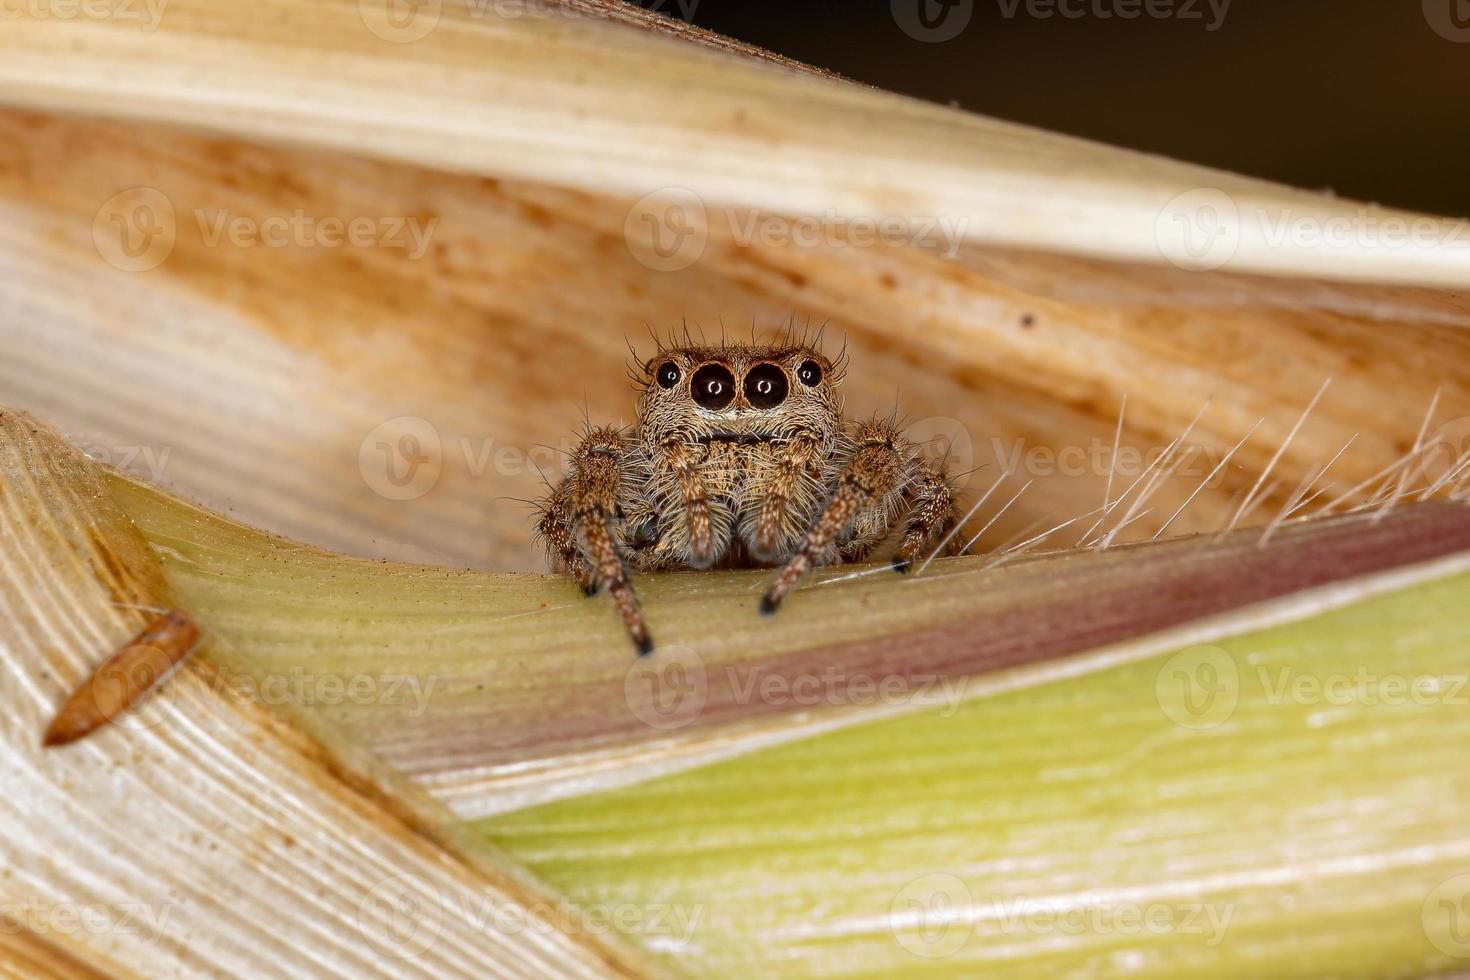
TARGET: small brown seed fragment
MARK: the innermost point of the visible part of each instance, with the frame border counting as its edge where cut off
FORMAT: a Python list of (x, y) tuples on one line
[(124, 678)]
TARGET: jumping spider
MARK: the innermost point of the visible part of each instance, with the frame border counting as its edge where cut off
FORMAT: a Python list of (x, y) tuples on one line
[(740, 457)]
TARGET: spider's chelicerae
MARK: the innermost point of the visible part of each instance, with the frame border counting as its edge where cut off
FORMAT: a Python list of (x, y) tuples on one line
[(740, 457)]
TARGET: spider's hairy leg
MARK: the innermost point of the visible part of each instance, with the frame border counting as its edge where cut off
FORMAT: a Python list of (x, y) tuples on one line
[(932, 513), (876, 470), (674, 455), (589, 495), (781, 495), (555, 530)]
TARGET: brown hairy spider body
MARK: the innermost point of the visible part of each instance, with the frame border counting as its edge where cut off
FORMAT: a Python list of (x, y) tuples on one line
[(740, 457)]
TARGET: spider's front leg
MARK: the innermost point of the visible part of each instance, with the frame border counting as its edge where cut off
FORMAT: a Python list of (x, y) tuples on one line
[(875, 472), (932, 513), (578, 526), (884, 467)]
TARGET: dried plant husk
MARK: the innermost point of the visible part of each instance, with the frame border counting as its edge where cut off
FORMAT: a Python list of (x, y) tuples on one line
[(266, 382), (263, 382), (205, 833)]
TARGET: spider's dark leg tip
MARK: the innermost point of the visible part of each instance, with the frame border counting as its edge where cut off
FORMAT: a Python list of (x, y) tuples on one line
[(645, 646), (590, 589), (769, 605), (901, 565)]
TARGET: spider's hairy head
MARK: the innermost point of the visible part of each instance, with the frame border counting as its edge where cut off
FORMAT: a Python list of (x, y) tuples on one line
[(740, 392)]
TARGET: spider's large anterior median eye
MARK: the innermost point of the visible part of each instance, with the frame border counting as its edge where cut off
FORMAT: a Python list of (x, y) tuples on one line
[(765, 386), (668, 374), (713, 386), (810, 373)]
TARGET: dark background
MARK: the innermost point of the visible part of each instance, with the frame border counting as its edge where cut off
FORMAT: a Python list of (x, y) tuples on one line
[(1365, 97)]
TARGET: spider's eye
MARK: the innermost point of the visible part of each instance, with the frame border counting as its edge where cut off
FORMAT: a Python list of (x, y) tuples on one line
[(765, 386), (810, 373), (668, 374), (713, 386)]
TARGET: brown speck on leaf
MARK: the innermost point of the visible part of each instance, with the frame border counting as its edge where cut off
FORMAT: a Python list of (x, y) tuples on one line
[(1028, 321), (124, 678)]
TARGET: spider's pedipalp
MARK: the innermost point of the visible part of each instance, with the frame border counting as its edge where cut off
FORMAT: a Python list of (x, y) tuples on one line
[(786, 496), (675, 457)]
